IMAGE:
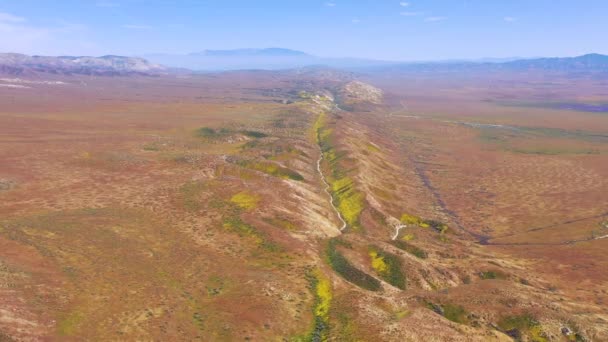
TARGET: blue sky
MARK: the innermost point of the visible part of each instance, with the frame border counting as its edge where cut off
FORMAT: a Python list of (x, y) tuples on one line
[(380, 29)]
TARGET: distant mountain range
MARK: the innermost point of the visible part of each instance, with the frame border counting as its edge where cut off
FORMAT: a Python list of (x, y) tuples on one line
[(274, 59), (268, 59), (278, 58), (19, 64), (268, 52), (590, 63)]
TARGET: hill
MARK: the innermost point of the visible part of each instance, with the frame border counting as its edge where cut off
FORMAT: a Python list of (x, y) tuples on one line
[(19, 64)]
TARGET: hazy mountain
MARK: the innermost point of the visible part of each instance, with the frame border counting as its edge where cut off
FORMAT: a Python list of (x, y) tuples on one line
[(277, 59), (13, 63), (590, 63), (268, 52), (268, 59)]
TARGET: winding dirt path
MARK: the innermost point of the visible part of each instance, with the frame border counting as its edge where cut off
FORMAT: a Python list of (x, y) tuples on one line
[(326, 189), (398, 230)]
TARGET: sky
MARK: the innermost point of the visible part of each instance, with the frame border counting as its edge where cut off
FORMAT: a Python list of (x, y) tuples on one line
[(410, 30)]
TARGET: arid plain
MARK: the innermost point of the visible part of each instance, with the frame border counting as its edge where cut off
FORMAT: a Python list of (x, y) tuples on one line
[(304, 205)]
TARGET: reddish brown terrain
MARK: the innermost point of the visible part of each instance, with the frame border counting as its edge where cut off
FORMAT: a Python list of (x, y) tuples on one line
[(211, 207)]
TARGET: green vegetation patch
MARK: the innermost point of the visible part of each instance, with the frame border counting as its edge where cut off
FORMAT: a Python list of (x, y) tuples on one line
[(321, 289), (273, 170), (212, 133), (280, 222), (346, 270), (234, 223), (254, 134), (455, 313), (492, 274), (388, 267), (412, 220), (413, 250), (69, 324), (207, 132), (231, 220), (245, 200), (522, 325), (372, 148), (452, 312), (348, 200)]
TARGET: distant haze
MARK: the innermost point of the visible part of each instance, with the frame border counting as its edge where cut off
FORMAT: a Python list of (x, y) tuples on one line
[(267, 58), (277, 58)]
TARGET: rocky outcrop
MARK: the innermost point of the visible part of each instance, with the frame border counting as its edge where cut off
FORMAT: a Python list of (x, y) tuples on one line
[(356, 92)]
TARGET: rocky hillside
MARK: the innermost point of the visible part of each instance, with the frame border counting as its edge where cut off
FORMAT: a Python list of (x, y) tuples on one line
[(359, 93), (19, 64)]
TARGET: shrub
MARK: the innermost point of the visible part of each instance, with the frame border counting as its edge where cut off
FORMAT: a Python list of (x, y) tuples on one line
[(273, 170), (523, 324), (492, 275), (254, 134), (346, 270), (413, 220), (234, 224), (455, 313), (388, 266), (207, 132), (415, 251), (245, 200)]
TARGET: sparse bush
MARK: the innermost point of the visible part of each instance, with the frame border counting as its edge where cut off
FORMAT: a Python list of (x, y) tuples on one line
[(254, 134), (415, 251), (492, 275), (524, 324), (273, 170), (233, 223), (413, 220), (452, 312), (455, 313), (206, 132)]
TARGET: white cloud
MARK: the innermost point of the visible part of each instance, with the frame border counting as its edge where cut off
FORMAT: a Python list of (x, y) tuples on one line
[(355, 21), (411, 14), (404, 4), (137, 27), (510, 19), (9, 18), (330, 4), (434, 19)]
